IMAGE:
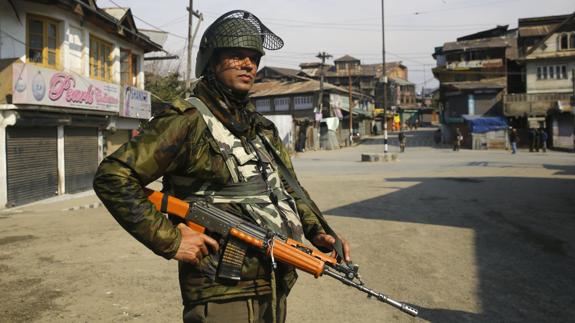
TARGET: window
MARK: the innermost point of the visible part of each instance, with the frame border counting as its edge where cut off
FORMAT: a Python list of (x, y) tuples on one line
[(564, 41), (281, 104), (100, 59), (263, 105), (556, 72), (43, 41), (303, 102), (129, 68), (135, 69), (567, 41)]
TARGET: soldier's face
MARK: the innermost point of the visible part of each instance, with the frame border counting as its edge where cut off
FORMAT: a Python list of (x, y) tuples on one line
[(236, 68)]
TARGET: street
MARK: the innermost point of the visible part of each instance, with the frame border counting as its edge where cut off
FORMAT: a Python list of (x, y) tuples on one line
[(468, 236)]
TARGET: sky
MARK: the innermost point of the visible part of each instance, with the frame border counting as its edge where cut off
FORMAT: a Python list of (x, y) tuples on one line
[(413, 28)]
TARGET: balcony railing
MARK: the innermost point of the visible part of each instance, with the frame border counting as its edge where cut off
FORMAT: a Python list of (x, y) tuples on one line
[(536, 104), (535, 97)]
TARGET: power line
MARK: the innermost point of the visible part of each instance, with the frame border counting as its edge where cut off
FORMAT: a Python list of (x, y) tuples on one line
[(149, 24)]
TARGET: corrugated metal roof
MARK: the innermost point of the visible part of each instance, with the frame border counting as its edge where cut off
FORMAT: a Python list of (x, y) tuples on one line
[(533, 31), (494, 42), (401, 81), (473, 85), (276, 88), (347, 58)]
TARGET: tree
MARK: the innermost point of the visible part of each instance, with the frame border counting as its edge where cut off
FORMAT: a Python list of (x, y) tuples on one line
[(164, 89)]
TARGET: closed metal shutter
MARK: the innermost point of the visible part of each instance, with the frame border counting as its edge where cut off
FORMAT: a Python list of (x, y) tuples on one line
[(80, 158), (32, 164)]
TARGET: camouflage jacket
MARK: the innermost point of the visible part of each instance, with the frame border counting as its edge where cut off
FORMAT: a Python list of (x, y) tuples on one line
[(178, 144)]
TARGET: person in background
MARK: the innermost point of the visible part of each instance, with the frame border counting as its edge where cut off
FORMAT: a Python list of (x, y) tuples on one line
[(543, 137), (402, 140), (513, 140), (457, 139)]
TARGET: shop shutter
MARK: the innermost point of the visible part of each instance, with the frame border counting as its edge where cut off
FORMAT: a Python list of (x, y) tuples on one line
[(32, 164), (80, 158)]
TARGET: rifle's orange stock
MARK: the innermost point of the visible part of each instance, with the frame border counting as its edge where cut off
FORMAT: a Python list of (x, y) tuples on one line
[(174, 206)]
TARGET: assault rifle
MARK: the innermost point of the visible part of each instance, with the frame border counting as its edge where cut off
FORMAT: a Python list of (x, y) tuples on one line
[(241, 235)]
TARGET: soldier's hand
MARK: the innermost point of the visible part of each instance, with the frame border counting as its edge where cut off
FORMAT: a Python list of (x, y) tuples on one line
[(327, 241), (194, 245)]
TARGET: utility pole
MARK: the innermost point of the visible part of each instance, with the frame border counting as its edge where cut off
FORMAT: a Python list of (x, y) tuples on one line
[(384, 79), (323, 56), (573, 96), (350, 106), (191, 36)]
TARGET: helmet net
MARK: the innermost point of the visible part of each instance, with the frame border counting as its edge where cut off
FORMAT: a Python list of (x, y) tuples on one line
[(242, 26)]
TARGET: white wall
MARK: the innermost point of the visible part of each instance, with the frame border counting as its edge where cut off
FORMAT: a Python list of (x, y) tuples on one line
[(549, 85), (74, 57)]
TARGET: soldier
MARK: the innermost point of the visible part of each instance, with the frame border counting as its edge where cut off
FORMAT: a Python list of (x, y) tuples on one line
[(214, 146)]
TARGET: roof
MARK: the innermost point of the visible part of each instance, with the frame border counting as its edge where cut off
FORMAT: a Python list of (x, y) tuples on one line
[(566, 22), (472, 85), (117, 21), (401, 81), (346, 58), (544, 20), (493, 32), (492, 42), (284, 70), (277, 88)]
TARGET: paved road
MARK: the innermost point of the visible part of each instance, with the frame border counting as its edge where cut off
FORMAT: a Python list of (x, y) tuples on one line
[(473, 236)]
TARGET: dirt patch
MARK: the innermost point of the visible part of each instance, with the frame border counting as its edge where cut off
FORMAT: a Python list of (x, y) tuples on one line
[(24, 300), (14, 239)]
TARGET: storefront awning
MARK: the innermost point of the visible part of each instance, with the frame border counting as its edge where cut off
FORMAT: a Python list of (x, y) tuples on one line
[(479, 124)]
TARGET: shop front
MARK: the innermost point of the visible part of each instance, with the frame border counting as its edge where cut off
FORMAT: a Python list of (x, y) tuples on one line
[(53, 144)]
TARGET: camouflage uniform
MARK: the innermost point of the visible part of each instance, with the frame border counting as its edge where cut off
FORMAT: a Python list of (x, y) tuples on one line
[(180, 146)]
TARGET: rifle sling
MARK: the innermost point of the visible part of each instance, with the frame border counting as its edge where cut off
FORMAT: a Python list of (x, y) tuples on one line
[(293, 183)]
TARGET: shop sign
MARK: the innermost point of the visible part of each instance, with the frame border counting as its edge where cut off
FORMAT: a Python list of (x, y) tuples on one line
[(136, 103), (43, 86)]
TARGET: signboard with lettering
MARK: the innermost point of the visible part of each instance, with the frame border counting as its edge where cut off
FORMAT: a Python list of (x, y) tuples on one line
[(136, 103), (43, 86)]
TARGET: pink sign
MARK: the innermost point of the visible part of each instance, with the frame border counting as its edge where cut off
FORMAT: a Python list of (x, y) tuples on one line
[(43, 86)]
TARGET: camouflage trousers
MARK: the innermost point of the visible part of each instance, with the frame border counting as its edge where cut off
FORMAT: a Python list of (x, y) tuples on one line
[(256, 309)]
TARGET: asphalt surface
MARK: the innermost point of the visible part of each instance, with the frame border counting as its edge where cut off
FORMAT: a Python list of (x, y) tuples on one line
[(469, 236)]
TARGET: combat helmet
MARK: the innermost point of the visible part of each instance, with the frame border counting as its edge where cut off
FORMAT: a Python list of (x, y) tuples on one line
[(235, 29)]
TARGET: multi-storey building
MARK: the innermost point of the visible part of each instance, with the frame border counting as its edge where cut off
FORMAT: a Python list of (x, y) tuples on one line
[(473, 76), (547, 61), (71, 88)]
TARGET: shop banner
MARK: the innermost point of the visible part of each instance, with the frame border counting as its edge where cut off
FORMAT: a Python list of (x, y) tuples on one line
[(136, 103), (43, 86)]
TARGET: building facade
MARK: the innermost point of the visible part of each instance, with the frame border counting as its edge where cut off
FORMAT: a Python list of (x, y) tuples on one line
[(72, 90), (547, 48), (473, 76)]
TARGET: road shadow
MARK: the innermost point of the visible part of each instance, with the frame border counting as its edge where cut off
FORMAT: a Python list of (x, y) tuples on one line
[(561, 169), (524, 239)]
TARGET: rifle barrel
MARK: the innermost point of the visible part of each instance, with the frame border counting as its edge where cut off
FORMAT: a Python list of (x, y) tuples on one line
[(370, 292)]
